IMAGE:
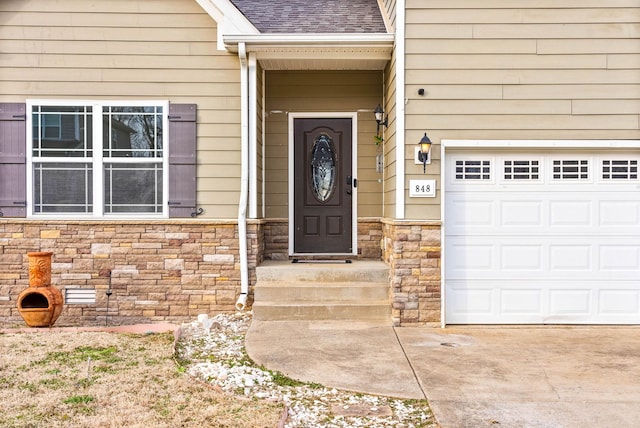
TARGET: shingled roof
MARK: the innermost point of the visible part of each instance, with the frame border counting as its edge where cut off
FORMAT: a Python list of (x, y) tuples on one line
[(313, 16)]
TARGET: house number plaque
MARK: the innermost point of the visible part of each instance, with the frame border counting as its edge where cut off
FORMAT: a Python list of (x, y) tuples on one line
[(422, 188)]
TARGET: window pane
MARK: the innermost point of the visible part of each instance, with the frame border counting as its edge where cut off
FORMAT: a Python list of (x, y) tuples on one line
[(132, 132), (62, 131), (62, 187), (133, 187), (323, 168)]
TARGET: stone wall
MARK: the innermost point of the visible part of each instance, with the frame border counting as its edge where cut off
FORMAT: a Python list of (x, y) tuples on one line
[(412, 251), (173, 270), (369, 239), (157, 270), (276, 239)]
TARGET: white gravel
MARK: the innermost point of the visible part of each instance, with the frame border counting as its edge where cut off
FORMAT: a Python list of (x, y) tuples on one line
[(213, 351)]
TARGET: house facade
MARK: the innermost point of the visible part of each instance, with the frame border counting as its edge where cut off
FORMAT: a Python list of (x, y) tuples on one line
[(164, 149)]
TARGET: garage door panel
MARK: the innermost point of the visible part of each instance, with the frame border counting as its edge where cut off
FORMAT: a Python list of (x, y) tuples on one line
[(472, 213), (491, 302), (580, 302), (619, 302), (567, 257), (477, 300), (521, 257), (471, 257), (570, 214), (516, 301), (570, 302), (525, 213), (552, 239), (538, 256), (619, 214), (620, 258), (515, 212)]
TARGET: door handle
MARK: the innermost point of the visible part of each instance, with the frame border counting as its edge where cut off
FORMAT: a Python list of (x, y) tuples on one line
[(352, 181)]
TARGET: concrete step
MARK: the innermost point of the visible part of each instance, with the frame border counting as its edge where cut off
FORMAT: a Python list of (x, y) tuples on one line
[(358, 271), (307, 291), (357, 291), (378, 311)]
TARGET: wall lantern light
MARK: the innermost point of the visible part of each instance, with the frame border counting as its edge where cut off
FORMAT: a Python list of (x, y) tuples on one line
[(423, 154), (379, 114)]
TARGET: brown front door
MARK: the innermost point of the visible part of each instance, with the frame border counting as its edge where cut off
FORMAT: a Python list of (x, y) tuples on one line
[(323, 186)]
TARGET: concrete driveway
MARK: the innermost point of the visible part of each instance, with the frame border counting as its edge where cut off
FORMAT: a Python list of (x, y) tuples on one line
[(473, 377), (528, 377)]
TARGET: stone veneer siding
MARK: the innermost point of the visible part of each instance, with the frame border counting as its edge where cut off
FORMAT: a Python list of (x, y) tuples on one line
[(173, 270), (276, 239), (412, 250), (164, 270)]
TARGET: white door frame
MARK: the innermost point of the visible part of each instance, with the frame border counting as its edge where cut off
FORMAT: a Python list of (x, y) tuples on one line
[(354, 168)]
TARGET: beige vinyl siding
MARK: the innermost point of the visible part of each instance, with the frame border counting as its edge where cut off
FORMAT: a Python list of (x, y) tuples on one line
[(390, 7), (321, 91), (504, 69), (131, 50)]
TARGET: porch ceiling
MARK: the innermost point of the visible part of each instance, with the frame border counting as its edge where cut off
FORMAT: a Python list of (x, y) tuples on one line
[(317, 51)]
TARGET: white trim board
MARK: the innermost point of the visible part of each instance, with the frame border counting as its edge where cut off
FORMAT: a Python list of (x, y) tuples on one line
[(542, 144), (400, 102)]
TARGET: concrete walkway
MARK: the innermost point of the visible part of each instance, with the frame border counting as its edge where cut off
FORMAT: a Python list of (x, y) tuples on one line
[(472, 377), (355, 356)]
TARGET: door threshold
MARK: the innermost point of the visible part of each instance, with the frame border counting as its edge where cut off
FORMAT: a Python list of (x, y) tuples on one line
[(328, 261)]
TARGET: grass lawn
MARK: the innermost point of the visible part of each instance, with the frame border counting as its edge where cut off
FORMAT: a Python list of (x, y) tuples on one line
[(96, 379)]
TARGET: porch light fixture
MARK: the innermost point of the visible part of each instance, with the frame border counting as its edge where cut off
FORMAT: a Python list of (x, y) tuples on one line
[(423, 154), (379, 114)]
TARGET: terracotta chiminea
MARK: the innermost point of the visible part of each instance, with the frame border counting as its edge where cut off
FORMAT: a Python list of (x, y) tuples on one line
[(41, 303)]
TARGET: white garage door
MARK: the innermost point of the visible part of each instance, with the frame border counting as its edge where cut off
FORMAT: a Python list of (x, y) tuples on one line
[(542, 237)]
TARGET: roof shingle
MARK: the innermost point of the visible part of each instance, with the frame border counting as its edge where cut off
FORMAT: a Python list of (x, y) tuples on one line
[(313, 16)]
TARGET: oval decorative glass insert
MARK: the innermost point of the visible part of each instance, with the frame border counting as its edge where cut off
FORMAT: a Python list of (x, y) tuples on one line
[(323, 168)]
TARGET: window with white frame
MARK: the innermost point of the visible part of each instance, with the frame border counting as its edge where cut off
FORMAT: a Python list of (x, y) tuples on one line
[(98, 158), (472, 169), (619, 169), (522, 170), (570, 169)]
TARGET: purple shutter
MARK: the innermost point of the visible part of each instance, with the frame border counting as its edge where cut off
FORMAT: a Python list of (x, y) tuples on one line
[(182, 160), (13, 166)]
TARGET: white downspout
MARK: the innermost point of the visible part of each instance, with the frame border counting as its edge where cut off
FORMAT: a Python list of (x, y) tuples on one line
[(244, 179), (400, 109)]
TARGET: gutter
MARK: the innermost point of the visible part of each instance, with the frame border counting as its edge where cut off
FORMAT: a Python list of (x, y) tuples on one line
[(354, 40), (241, 303)]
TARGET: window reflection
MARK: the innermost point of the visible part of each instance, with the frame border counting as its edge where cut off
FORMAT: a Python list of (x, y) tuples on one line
[(62, 131), (132, 131)]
